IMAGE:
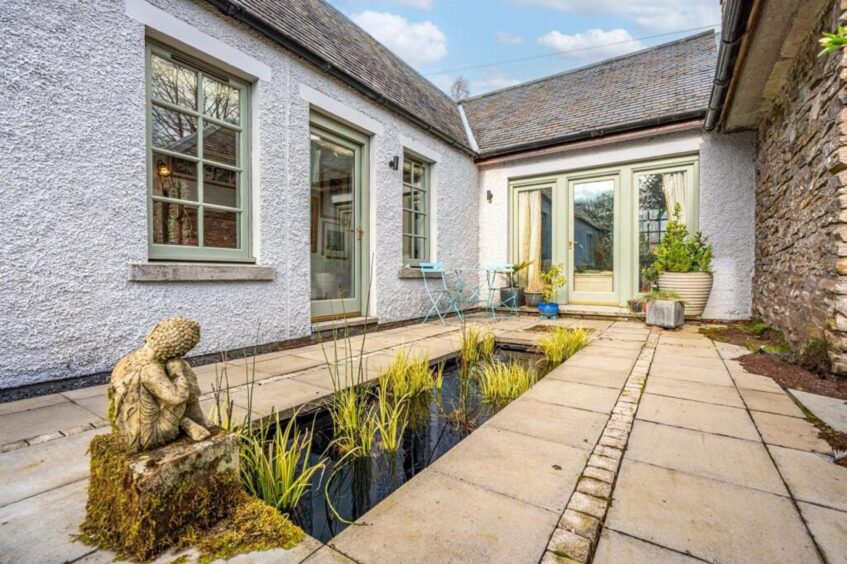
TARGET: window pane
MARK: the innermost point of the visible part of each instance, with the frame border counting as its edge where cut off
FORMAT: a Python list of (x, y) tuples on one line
[(220, 144), (174, 224), (221, 101), (417, 178), (420, 224), (220, 229), (407, 172), (173, 83), (535, 233), (657, 196), (174, 177), (220, 186), (174, 131), (407, 222), (407, 247), (593, 236), (407, 197), (420, 246), (419, 201)]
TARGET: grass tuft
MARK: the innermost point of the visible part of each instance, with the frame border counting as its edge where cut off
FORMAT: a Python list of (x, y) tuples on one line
[(562, 343), (501, 383), (477, 346), (410, 375), (391, 419)]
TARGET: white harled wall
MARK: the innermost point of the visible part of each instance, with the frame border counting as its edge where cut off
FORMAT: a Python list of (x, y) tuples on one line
[(727, 202), (73, 161)]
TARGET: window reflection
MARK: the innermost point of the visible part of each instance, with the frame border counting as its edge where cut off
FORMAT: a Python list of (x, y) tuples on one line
[(593, 236)]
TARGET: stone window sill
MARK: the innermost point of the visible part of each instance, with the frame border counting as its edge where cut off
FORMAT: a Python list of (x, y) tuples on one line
[(407, 272), (199, 272)]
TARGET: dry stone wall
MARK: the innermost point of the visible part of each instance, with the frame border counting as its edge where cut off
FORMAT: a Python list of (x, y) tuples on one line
[(801, 201)]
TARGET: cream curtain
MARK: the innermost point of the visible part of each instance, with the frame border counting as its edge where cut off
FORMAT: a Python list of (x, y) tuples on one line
[(529, 232), (673, 186)]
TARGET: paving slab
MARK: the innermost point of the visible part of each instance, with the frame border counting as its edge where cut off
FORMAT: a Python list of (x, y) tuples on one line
[(230, 374), (592, 376), (533, 470), (812, 477), (304, 549), (703, 375), (30, 403), (97, 404), (566, 425), (602, 341), (328, 555), (44, 421), (829, 527), (832, 411), (615, 548), (582, 396), (712, 520), (89, 392), (779, 403), (696, 415), (708, 393), (45, 466), (744, 379), (728, 351), (790, 432), (736, 461), (281, 396), (458, 521), (598, 347), (280, 365), (58, 512), (599, 361)]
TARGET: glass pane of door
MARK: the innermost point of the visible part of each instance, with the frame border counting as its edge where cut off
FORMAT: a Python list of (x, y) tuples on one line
[(534, 237), (658, 195), (592, 244), (334, 249)]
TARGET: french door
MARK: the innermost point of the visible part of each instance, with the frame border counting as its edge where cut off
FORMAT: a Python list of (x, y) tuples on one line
[(338, 205)]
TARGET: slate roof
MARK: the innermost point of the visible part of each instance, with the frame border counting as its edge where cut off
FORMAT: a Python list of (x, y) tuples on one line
[(662, 84), (321, 29)]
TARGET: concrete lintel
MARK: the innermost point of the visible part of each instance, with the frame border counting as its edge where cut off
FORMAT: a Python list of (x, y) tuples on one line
[(199, 272)]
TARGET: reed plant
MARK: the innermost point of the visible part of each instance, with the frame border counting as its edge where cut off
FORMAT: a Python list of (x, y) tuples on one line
[(278, 470), (353, 420), (391, 419), (501, 382), (476, 346), (410, 375), (562, 343)]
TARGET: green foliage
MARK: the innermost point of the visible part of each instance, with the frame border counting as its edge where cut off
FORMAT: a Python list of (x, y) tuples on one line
[(680, 252), (663, 295), (353, 420), (278, 471), (391, 421), (832, 42), (554, 279), (476, 346), (516, 272), (815, 357), (500, 383), (758, 327), (562, 343), (410, 375)]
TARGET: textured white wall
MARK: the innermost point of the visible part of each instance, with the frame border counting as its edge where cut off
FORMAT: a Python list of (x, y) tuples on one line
[(727, 202), (73, 163)]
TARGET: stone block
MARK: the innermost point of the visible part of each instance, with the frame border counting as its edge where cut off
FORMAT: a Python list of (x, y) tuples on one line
[(666, 314), (580, 524), (568, 545)]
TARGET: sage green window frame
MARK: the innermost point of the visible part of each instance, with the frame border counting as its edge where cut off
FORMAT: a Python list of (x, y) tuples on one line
[(626, 214), (200, 252), (426, 191)]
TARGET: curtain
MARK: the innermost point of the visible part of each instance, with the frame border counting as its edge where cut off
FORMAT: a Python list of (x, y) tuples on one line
[(316, 164), (529, 233), (673, 186)]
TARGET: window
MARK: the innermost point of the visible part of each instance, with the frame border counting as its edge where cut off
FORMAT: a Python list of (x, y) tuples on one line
[(415, 211), (197, 149)]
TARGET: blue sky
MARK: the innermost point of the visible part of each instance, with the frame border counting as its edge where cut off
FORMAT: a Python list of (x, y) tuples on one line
[(442, 38)]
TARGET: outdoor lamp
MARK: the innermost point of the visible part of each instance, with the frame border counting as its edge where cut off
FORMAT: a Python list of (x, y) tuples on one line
[(162, 168), (394, 164), (489, 196)]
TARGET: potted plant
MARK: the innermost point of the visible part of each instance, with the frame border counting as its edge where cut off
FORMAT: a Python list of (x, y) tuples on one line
[(554, 280), (665, 310), (512, 293), (534, 292), (684, 264)]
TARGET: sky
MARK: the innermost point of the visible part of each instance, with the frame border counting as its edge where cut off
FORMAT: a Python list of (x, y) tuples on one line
[(494, 44)]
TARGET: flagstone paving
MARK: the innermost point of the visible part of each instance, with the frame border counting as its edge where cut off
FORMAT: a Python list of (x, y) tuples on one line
[(645, 446)]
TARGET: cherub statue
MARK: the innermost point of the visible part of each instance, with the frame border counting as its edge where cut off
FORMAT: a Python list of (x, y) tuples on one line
[(154, 392)]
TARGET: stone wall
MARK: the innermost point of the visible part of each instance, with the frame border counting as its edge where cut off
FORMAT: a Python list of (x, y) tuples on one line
[(801, 202)]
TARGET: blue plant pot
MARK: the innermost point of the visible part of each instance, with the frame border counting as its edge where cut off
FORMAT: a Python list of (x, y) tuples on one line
[(548, 309)]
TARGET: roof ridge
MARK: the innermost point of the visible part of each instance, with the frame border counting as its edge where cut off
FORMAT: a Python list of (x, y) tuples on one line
[(644, 51)]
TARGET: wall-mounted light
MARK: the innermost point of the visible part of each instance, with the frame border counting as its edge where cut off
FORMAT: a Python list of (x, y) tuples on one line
[(489, 196), (394, 164), (163, 169)]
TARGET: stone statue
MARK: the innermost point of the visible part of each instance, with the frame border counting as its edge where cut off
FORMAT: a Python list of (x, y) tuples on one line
[(154, 393)]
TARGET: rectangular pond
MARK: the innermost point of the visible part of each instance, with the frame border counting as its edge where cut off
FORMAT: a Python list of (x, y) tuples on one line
[(349, 487)]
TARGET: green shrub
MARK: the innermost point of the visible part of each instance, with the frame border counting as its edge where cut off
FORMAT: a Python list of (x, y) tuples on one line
[(681, 252), (815, 357), (501, 383), (554, 279), (562, 343)]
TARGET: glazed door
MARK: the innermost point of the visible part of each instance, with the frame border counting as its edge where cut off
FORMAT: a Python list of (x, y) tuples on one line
[(593, 240), (337, 241)]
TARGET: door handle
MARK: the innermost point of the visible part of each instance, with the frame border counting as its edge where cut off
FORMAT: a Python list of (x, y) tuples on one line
[(359, 233), (570, 245)]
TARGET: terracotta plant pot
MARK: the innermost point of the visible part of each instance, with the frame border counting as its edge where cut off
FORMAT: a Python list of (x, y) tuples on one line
[(693, 288)]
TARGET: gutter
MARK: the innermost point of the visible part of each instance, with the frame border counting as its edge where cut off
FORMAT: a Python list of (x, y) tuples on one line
[(734, 28), (592, 134), (259, 24)]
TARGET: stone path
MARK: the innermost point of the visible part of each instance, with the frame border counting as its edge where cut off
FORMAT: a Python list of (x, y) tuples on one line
[(703, 462)]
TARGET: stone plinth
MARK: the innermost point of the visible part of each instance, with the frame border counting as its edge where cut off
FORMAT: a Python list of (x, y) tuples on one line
[(141, 504), (667, 314)]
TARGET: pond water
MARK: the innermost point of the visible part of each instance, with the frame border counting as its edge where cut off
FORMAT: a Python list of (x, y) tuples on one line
[(437, 424)]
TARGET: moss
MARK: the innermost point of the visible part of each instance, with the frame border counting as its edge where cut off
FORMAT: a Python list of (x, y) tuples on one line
[(253, 526), (815, 357), (137, 523)]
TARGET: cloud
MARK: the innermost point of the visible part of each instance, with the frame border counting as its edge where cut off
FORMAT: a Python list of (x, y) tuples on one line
[(651, 15), (592, 45), (416, 43), (419, 4), (508, 39)]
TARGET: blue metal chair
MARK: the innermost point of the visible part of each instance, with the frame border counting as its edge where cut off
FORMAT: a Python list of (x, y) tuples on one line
[(438, 291), (510, 303)]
